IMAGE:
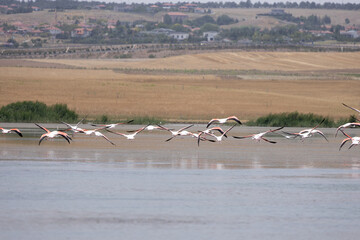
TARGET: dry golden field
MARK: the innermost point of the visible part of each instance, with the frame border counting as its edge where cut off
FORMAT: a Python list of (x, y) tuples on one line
[(264, 82)]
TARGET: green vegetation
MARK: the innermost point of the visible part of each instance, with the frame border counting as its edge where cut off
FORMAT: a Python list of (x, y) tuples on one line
[(295, 119), (29, 111), (139, 120)]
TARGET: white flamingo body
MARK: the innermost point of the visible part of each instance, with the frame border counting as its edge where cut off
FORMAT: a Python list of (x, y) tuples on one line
[(53, 134), (97, 134), (260, 136), (347, 125), (129, 136), (354, 141), (306, 133), (223, 120), (218, 138), (15, 130)]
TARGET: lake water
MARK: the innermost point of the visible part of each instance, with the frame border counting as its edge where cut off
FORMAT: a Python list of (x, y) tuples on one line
[(152, 189)]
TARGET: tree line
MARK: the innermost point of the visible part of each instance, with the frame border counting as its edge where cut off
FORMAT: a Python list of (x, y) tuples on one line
[(141, 7)]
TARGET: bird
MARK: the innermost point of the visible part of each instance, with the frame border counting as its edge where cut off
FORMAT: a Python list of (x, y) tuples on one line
[(212, 130), (149, 128), (347, 125), (354, 140), (74, 128), (128, 136), (112, 125), (175, 133), (260, 136), (307, 132), (223, 120), (15, 130), (53, 134), (218, 138), (96, 133)]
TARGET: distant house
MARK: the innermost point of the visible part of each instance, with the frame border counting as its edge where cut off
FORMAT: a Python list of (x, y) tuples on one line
[(177, 16), (81, 32), (351, 33), (199, 10), (210, 36), (184, 9), (168, 5), (53, 30), (36, 9), (179, 35)]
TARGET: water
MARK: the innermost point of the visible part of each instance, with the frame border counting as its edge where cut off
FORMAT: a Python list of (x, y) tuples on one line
[(151, 189)]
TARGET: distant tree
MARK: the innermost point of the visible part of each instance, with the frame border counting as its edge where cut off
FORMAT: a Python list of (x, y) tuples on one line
[(179, 28), (14, 43), (326, 19), (224, 20), (198, 22), (167, 19), (347, 21), (209, 27)]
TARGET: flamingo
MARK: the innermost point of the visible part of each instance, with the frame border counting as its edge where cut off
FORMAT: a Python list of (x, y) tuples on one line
[(347, 125), (218, 138), (354, 140), (260, 136), (149, 128), (15, 130), (97, 133), (307, 132), (223, 120), (74, 128), (113, 125), (178, 132), (128, 136), (53, 134)]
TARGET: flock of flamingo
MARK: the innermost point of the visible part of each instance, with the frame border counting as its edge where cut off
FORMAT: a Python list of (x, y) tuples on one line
[(206, 135)]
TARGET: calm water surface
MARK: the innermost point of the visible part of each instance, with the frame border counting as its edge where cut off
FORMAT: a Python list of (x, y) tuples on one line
[(152, 189)]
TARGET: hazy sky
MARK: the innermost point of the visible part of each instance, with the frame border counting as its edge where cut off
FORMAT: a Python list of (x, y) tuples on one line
[(253, 1)]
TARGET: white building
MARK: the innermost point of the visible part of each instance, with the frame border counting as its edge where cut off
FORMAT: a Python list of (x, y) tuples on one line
[(179, 35), (210, 36)]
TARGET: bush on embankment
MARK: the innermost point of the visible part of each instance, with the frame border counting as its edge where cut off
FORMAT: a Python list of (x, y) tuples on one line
[(295, 119), (29, 111)]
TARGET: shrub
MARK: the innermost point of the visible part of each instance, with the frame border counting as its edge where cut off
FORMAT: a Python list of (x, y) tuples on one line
[(29, 111), (295, 119)]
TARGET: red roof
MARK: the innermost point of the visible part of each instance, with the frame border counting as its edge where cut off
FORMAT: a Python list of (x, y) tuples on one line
[(176, 14)]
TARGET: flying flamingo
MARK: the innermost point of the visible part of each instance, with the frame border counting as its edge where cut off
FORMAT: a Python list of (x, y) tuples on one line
[(354, 140), (15, 130), (96, 133), (178, 132), (307, 132), (128, 136), (53, 134), (347, 125), (74, 128), (218, 138), (149, 128), (113, 125), (223, 120), (260, 136)]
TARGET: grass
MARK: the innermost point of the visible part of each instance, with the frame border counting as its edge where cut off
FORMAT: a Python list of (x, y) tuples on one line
[(137, 120), (295, 119), (29, 111)]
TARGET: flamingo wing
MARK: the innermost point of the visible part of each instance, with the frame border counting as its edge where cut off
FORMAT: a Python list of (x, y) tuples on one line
[(43, 128), (357, 110), (17, 131), (267, 140)]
